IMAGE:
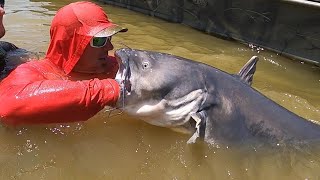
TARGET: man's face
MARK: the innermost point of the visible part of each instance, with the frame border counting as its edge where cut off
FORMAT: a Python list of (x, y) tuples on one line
[(93, 60)]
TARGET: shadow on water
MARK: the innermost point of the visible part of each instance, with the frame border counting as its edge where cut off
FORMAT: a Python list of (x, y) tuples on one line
[(124, 148)]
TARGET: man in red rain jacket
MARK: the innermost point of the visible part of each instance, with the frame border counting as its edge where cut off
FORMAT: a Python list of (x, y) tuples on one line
[(75, 79)]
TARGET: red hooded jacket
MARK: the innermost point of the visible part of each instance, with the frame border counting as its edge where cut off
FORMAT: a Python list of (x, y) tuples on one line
[(42, 92)]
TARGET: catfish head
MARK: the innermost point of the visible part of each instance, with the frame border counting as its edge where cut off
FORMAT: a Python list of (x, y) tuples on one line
[(157, 87)]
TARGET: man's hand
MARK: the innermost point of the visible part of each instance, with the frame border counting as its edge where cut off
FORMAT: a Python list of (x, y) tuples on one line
[(2, 29)]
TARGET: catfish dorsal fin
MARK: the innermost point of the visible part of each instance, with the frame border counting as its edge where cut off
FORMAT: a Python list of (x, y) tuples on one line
[(247, 71)]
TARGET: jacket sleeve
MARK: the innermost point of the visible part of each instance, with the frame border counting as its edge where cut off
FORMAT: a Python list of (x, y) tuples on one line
[(28, 98)]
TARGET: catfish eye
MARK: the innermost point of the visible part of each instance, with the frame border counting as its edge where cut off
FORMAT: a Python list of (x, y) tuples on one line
[(145, 64)]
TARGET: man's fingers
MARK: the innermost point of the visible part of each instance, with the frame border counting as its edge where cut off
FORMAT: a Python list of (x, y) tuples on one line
[(2, 12)]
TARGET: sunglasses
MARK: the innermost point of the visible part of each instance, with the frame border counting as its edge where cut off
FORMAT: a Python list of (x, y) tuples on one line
[(99, 42)]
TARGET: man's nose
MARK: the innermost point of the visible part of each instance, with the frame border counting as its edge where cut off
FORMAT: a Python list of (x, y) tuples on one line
[(108, 46)]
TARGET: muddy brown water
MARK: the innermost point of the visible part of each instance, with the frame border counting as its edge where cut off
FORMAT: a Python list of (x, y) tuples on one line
[(121, 147)]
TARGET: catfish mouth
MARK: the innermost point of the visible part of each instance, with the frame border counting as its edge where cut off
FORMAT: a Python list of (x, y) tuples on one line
[(124, 73)]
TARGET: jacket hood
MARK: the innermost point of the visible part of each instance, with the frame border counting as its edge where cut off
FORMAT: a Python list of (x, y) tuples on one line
[(71, 31)]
